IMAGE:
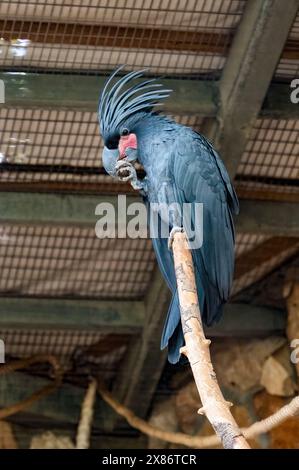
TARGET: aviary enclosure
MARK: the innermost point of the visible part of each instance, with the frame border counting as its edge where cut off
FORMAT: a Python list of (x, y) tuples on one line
[(81, 315)]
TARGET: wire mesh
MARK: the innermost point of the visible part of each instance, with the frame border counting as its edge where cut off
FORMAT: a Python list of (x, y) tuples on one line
[(51, 145), (50, 136), (272, 156), (167, 35), (64, 261), (288, 66), (171, 13), (61, 261), (246, 241), (257, 255), (56, 137), (280, 254), (76, 350), (64, 146)]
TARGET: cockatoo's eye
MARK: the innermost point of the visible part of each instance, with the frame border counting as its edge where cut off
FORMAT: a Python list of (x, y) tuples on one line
[(125, 132)]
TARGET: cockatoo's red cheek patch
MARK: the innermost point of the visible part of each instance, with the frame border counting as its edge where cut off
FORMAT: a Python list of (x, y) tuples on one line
[(125, 142)]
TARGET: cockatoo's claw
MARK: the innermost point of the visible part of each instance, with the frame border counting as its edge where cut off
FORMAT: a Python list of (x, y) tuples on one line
[(125, 171), (137, 184), (174, 230)]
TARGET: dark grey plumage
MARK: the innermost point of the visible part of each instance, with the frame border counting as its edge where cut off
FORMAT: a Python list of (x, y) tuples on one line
[(181, 166)]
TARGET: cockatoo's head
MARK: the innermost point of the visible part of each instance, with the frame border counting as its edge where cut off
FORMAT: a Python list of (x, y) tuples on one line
[(121, 108)]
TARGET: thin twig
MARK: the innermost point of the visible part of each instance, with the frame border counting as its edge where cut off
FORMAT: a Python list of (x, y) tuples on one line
[(87, 410), (21, 364), (197, 442)]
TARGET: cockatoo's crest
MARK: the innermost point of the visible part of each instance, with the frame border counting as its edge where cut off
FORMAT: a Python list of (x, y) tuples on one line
[(121, 100)]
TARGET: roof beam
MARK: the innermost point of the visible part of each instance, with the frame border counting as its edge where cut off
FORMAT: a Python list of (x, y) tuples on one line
[(248, 71), (126, 316), (30, 313), (82, 92), (52, 208), (268, 217), (277, 103), (189, 97), (245, 320), (262, 190)]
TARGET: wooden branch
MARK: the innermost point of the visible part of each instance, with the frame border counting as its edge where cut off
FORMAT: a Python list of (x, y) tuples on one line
[(197, 442), (7, 438), (214, 406)]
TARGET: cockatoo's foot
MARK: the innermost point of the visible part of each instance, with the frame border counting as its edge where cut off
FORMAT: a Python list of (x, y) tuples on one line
[(125, 171), (174, 230)]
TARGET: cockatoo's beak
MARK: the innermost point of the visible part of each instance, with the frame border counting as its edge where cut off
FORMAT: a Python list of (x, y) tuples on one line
[(110, 157)]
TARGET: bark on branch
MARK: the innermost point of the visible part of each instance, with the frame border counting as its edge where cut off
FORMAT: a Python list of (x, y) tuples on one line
[(196, 348), (87, 411)]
